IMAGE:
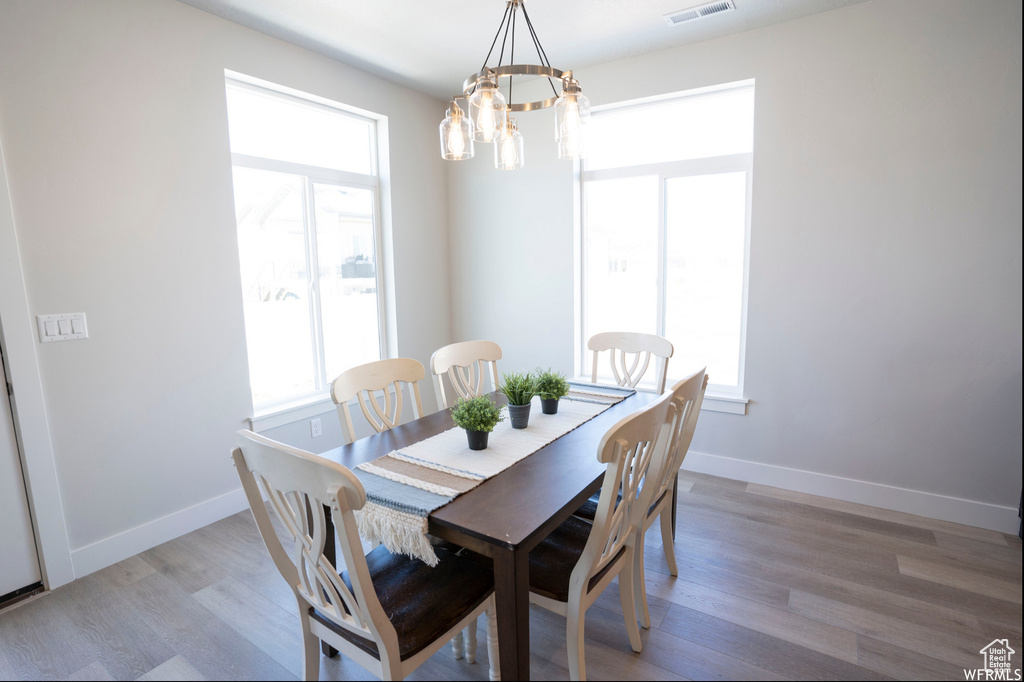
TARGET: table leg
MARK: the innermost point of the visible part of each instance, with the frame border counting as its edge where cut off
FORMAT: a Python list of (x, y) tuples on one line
[(512, 602)]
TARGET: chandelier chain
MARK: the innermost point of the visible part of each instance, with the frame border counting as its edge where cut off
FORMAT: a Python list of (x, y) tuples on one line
[(495, 41), (512, 57), (541, 53)]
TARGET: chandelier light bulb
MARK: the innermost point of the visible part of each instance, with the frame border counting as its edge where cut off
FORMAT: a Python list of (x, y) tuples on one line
[(572, 110), (488, 111), (508, 148), (487, 115), (571, 122), (456, 143), (456, 135)]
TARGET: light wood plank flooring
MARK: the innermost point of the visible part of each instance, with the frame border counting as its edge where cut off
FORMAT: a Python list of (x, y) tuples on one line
[(772, 585)]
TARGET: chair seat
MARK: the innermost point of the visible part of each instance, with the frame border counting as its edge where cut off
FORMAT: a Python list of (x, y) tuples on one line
[(588, 510), (422, 602), (553, 560)]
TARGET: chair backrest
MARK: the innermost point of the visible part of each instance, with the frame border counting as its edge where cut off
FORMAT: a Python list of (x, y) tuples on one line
[(297, 485), (629, 372), (628, 449), (686, 397), (464, 364), (364, 381)]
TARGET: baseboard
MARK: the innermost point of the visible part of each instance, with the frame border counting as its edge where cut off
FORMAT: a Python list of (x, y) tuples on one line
[(86, 560), (931, 505)]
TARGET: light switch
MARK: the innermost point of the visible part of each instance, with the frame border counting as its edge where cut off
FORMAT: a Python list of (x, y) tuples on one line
[(62, 327)]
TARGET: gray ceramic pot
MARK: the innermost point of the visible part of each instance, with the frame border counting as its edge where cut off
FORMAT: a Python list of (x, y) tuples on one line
[(477, 439), (520, 415), (549, 405)]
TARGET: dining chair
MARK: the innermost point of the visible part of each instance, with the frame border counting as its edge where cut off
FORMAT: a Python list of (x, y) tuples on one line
[(687, 397), (464, 364), (572, 566), (363, 383), (628, 371), (387, 612)]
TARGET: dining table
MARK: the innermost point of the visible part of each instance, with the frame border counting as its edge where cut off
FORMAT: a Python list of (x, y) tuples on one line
[(507, 515)]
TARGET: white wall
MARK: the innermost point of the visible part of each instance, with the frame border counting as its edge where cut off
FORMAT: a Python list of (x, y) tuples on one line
[(114, 131), (511, 251), (884, 321)]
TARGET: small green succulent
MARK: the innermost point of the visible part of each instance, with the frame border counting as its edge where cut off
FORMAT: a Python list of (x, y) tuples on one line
[(476, 414), (551, 385), (518, 387)]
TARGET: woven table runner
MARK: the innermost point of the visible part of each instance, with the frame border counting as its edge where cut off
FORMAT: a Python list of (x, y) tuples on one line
[(403, 487)]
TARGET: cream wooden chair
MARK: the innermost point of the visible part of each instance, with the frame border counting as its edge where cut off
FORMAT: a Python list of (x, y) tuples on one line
[(628, 372), (572, 566), (364, 381), (387, 612), (686, 397), (387, 376), (464, 364)]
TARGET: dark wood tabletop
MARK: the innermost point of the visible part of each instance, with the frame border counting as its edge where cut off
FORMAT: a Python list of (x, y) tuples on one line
[(507, 515)]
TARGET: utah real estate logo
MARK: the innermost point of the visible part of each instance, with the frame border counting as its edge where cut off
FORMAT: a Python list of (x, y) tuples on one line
[(997, 666)]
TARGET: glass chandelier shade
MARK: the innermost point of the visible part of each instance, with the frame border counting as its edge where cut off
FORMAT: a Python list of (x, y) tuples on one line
[(508, 147), (487, 109), (572, 110), (456, 134)]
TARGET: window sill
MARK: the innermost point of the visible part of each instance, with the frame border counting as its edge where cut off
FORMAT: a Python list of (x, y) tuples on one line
[(729, 404), (290, 412)]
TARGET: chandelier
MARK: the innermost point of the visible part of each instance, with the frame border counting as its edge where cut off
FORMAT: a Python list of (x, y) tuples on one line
[(486, 116)]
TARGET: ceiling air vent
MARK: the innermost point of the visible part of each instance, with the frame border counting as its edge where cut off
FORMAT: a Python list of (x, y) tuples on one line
[(699, 12)]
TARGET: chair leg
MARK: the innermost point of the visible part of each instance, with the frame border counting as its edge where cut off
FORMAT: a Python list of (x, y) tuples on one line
[(627, 588), (668, 541), (310, 654), (471, 642), (574, 620), (640, 582), (492, 645), (457, 648)]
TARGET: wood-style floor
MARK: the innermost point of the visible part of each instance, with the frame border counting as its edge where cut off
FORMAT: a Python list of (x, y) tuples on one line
[(772, 585)]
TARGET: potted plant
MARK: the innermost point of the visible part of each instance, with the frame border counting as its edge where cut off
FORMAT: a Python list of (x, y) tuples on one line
[(518, 387), (478, 417), (550, 387)]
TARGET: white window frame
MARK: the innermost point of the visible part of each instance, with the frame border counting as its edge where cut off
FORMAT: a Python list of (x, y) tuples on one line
[(295, 408), (730, 399)]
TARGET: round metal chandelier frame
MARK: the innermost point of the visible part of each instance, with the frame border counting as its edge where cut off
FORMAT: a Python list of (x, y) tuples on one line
[(510, 70)]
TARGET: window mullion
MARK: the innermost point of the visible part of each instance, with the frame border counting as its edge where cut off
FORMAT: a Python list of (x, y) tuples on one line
[(313, 268), (662, 255), (378, 245), (584, 254)]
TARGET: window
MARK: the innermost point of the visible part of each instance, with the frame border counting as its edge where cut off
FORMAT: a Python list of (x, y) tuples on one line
[(306, 204), (665, 207)]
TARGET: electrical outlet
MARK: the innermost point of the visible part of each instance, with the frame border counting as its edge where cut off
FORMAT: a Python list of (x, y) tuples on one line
[(315, 428)]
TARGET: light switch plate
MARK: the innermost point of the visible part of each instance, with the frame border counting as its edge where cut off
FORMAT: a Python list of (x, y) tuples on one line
[(62, 327)]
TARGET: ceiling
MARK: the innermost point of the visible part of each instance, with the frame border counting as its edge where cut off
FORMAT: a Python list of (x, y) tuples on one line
[(434, 46)]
